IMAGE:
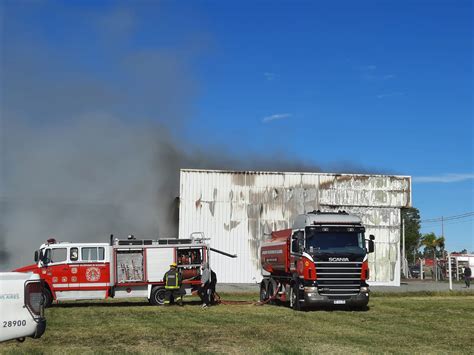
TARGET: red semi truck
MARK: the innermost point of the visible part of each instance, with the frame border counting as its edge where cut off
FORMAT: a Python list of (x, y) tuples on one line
[(123, 268), (321, 261)]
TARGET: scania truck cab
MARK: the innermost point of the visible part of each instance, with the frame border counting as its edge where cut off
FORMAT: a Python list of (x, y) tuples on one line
[(322, 260)]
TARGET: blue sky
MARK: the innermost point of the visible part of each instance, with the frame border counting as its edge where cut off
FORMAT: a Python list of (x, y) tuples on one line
[(383, 86)]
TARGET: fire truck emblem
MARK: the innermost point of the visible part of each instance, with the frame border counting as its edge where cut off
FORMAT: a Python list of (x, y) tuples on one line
[(338, 259), (93, 274)]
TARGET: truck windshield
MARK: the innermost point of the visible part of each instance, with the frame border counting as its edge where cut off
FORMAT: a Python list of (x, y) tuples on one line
[(339, 240)]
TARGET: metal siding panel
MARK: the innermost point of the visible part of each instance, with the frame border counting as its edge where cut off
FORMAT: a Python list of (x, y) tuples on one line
[(238, 210)]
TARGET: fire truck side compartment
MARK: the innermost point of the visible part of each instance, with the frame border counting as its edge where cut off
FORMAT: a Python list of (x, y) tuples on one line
[(158, 262)]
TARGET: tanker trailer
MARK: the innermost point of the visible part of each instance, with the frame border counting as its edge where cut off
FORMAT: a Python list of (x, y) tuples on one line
[(321, 261)]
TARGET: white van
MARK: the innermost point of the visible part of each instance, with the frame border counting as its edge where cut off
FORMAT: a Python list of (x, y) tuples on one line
[(21, 306)]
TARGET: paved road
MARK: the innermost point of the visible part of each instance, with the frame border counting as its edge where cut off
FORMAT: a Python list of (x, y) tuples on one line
[(428, 285), (406, 286)]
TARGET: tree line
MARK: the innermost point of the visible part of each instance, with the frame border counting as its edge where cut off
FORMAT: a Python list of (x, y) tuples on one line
[(433, 245)]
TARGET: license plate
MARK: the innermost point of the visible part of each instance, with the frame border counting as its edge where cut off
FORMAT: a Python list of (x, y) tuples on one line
[(339, 301)]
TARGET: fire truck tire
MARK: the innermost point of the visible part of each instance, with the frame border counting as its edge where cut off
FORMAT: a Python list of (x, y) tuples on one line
[(295, 302), (264, 291), (47, 298), (158, 296), (271, 289)]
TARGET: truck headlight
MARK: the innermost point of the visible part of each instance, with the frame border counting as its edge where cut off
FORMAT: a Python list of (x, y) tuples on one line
[(310, 289), (364, 289)]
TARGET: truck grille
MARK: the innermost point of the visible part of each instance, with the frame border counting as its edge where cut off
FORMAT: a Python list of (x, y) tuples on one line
[(338, 280)]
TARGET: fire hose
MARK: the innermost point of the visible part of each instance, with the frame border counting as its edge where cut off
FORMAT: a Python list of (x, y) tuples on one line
[(219, 300)]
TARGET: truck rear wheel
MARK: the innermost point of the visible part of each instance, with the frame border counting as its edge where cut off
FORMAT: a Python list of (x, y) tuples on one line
[(264, 291), (157, 296), (272, 288)]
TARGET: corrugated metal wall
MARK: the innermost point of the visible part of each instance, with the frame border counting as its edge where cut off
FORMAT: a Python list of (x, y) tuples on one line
[(238, 210)]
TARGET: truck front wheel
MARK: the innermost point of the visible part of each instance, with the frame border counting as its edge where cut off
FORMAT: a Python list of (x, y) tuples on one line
[(157, 296), (295, 302), (47, 298)]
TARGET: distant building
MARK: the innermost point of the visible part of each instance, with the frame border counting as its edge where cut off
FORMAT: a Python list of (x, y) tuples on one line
[(458, 262), (238, 210)]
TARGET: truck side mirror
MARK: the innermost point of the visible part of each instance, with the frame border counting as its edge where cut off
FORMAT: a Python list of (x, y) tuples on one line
[(371, 244), (44, 258), (36, 256), (295, 245)]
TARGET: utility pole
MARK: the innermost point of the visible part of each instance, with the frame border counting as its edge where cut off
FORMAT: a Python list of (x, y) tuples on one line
[(449, 271), (403, 248), (442, 235), (442, 226), (421, 269)]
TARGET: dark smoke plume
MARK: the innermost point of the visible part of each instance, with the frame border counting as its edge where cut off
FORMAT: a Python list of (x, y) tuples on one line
[(80, 157), (96, 175)]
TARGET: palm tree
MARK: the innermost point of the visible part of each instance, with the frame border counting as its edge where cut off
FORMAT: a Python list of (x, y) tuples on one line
[(430, 241)]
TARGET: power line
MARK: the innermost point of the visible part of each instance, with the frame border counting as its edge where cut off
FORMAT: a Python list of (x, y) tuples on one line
[(450, 218), (449, 223)]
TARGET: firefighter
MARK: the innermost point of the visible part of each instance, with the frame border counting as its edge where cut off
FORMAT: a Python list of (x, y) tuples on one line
[(173, 279), (205, 285)]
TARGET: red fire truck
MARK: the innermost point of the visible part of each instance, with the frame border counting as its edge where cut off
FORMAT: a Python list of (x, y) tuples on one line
[(322, 260), (123, 268)]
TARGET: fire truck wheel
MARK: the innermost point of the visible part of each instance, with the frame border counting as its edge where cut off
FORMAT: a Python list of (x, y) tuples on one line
[(272, 287), (47, 298), (158, 296), (294, 298), (264, 291)]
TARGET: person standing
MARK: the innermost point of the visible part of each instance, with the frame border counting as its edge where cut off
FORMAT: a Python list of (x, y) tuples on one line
[(212, 291), (173, 280), (467, 276), (205, 285)]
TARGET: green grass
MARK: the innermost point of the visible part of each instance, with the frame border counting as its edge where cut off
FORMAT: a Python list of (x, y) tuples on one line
[(420, 323)]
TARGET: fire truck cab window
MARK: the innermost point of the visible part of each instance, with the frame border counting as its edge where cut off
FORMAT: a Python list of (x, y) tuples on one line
[(92, 253), (74, 254), (58, 255)]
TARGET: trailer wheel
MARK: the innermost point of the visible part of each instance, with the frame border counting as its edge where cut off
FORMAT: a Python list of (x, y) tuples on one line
[(157, 297), (47, 298), (264, 291)]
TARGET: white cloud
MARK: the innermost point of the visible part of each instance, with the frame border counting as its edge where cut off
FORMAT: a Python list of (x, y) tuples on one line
[(278, 116), (369, 67), (269, 76), (443, 178), (372, 73)]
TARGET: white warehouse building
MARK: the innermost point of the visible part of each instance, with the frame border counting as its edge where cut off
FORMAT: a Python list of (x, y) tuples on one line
[(238, 210)]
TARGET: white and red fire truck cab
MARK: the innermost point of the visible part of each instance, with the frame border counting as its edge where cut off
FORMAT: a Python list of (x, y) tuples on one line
[(123, 268)]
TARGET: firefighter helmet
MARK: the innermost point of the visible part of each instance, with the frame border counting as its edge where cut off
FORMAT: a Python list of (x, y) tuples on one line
[(173, 265)]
